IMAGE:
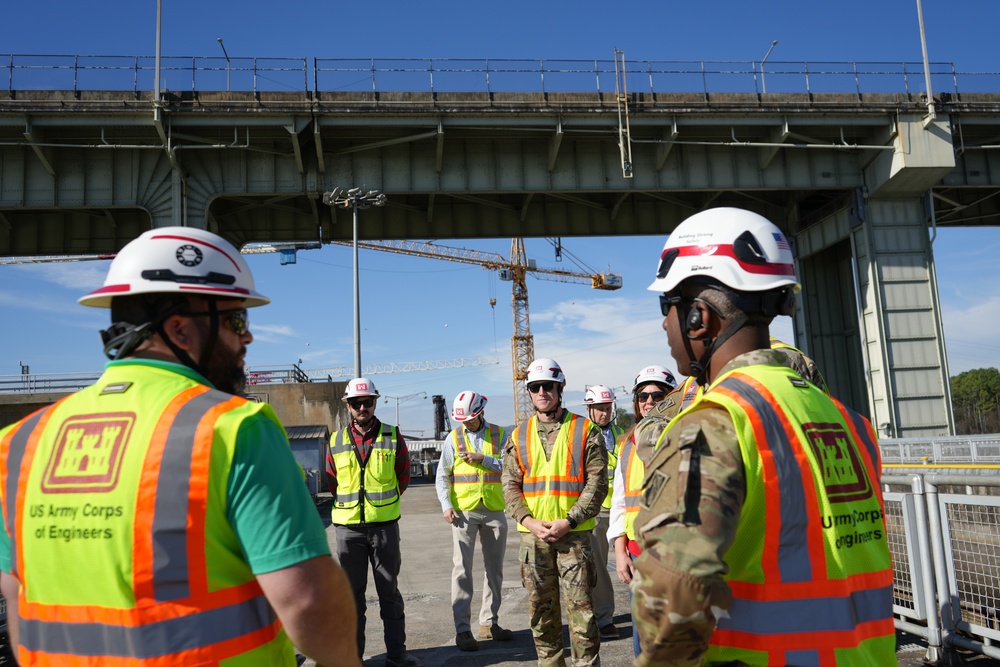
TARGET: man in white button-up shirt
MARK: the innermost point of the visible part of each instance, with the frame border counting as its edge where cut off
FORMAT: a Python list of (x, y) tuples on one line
[(468, 487)]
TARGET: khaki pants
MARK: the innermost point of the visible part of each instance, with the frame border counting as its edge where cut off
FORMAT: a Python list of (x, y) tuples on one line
[(491, 529)]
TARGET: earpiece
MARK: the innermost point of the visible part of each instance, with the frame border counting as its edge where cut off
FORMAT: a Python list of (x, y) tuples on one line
[(694, 319)]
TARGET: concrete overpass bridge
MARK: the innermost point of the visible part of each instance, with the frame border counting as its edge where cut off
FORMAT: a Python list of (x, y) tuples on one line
[(846, 158)]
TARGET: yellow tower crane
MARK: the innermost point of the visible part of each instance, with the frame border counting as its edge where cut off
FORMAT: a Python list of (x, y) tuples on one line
[(515, 269)]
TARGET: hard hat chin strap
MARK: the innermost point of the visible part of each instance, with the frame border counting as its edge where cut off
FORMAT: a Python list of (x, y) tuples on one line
[(699, 367), (121, 338), (553, 411), (201, 366)]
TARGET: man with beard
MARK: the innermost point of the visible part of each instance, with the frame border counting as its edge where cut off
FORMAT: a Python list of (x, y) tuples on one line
[(367, 471), (155, 515)]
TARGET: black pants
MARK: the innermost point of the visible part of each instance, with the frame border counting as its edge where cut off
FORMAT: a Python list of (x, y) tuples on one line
[(378, 544)]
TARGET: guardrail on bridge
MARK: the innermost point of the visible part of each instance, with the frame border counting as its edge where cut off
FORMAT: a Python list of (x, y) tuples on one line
[(944, 450), (498, 75)]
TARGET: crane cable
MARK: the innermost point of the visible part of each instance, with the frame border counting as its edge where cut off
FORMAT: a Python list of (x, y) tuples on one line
[(492, 292)]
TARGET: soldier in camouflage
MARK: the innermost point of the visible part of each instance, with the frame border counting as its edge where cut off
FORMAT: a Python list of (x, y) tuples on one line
[(684, 395), (555, 529), (724, 275)]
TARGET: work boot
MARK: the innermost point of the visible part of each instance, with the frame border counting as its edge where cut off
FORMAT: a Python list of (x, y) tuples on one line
[(609, 631), (495, 632), (466, 642), (403, 660)]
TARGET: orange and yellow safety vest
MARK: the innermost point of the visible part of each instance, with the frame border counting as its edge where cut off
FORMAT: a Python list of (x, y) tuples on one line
[(552, 486), (89, 480), (472, 484), (809, 568)]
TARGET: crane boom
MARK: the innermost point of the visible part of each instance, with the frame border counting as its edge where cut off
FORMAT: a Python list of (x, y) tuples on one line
[(514, 270), (491, 260)]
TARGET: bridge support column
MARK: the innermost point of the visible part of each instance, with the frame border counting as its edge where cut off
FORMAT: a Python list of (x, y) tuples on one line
[(881, 352), (901, 320)]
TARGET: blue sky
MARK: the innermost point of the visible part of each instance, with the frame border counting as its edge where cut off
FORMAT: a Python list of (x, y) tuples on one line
[(417, 309)]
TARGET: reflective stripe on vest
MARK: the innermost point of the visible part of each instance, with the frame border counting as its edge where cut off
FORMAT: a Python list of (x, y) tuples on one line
[(12, 451), (690, 391), (472, 484), (150, 640), (635, 472), (552, 487), (367, 492), (616, 432), (807, 583), (176, 617)]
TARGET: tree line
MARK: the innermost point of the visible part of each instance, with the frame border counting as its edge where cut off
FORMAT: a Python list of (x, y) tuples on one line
[(975, 397)]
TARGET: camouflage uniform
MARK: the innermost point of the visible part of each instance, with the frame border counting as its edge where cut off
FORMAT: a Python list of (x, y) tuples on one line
[(686, 525), (799, 362), (567, 563)]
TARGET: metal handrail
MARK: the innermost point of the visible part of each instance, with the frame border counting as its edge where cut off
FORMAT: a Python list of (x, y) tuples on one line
[(962, 449), (488, 76), (42, 383)]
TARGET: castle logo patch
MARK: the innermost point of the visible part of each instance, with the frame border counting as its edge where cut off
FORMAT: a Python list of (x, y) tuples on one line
[(88, 453)]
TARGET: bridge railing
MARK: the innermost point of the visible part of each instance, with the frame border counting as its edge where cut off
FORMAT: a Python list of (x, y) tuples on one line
[(943, 533), (135, 74), (43, 383), (961, 449)]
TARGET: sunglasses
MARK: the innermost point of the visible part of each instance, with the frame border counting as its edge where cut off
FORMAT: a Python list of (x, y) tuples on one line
[(667, 302), (657, 396), (540, 386), (238, 320), (358, 403)]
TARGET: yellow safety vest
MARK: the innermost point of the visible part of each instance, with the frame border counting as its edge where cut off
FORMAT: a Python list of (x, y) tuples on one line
[(617, 431), (472, 484), (635, 472), (119, 531), (809, 567), (552, 486), (367, 492)]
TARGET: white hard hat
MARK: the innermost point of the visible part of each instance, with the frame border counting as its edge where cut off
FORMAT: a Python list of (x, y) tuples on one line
[(740, 249), (467, 405), (598, 394), (182, 260), (359, 388), (541, 370), (654, 373)]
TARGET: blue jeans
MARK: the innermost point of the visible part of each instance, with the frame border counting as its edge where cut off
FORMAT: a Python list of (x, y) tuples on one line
[(636, 648)]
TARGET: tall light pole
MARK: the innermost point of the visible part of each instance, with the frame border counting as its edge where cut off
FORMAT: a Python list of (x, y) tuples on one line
[(156, 73), (931, 114), (355, 198), (226, 54), (763, 84), (402, 399)]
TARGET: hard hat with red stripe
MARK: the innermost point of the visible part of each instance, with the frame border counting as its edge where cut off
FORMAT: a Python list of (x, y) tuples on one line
[(654, 373), (737, 248), (468, 405), (360, 388), (544, 369), (598, 394), (179, 260)]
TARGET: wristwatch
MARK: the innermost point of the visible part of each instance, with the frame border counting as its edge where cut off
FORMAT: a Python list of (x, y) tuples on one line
[(572, 522)]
